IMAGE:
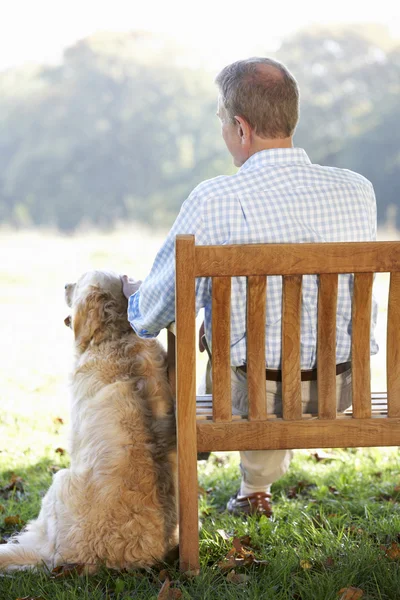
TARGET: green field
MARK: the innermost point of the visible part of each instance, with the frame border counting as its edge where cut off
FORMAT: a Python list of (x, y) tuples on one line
[(337, 521)]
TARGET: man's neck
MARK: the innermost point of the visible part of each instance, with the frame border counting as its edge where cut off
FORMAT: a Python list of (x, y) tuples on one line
[(269, 144)]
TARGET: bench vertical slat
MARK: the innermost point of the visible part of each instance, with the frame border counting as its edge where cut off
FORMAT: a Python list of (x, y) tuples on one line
[(326, 346), (291, 379), (221, 351), (256, 315), (360, 345), (393, 347), (186, 403)]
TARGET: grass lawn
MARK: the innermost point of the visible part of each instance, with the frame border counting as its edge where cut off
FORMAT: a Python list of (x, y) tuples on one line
[(336, 522)]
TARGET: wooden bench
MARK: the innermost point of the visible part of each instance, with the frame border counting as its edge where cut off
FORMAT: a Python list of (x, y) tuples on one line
[(208, 425)]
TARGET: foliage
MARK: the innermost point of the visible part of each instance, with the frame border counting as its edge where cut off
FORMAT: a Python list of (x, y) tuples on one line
[(123, 129)]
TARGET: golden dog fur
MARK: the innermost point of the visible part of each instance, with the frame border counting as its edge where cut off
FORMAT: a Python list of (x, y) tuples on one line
[(116, 504)]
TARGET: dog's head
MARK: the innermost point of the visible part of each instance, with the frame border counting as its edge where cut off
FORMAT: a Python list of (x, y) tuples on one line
[(99, 308)]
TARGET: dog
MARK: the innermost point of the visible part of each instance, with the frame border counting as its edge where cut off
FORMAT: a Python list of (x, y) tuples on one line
[(116, 504)]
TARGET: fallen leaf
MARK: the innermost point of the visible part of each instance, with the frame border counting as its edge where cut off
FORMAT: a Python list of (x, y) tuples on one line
[(14, 520), (225, 536), (15, 487), (350, 593), (299, 488), (321, 455), (163, 575), (60, 451), (237, 578), (238, 556), (67, 570), (168, 593), (305, 565), (393, 551), (329, 562)]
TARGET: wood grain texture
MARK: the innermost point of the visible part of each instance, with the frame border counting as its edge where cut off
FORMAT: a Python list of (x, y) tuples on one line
[(186, 403), (291, 315), (256, 315), (326, 345), (276, 434), (297, 259), (360, 345), (393, 347), (221, 348)]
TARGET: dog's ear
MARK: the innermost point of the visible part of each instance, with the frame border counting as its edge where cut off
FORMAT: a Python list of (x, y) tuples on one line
[(90, 319)]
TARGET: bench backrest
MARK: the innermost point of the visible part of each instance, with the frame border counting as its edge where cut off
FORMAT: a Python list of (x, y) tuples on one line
[(291, 261)]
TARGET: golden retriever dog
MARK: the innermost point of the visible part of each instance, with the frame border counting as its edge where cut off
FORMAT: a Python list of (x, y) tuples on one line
[(116, 504)]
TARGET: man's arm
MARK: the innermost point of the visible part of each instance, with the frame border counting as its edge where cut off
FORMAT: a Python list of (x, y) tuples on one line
[(152, 307)]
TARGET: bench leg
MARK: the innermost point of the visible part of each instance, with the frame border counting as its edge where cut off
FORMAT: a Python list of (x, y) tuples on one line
[(188, 504)]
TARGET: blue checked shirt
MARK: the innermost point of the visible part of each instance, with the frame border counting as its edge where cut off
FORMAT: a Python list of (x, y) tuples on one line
[(278, 195)]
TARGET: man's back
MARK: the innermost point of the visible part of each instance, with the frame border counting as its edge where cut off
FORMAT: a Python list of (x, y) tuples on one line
[(279, 196)]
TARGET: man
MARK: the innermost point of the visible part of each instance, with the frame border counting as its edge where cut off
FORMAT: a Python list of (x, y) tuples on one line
[(277, 195)]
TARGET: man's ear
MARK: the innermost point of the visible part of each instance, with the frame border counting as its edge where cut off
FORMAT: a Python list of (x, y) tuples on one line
[(244, 130)]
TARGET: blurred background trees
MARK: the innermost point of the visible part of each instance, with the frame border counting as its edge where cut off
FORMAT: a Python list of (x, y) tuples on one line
[(124, 128)]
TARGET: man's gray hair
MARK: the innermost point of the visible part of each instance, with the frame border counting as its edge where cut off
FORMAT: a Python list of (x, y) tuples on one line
[(268, 98)]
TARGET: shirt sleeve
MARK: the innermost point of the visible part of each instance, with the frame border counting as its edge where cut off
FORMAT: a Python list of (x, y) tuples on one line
[(152, 307)]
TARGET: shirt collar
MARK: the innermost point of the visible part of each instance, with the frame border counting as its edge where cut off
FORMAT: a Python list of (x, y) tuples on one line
[(276, 156)]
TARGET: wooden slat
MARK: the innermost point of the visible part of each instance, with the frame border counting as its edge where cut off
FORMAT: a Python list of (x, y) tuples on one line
[(305, 433), (326, 350), (221, 352), (291, 315), (393, 347), (171, 361), (256, 315), (186, 404), (297, 259), (360, 345)]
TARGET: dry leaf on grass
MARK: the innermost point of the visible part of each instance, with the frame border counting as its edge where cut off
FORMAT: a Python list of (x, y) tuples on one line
[(241, 555), (169, 593), (299, 488), (67, 570), (305, 564), (14, 487), (14, 520), (60, 451), (393, 552), (321, 455), (350, 593), (225, 536), (237, 578)]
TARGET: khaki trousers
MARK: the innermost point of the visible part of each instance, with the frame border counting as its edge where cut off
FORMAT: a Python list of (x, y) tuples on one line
[(263, 467)]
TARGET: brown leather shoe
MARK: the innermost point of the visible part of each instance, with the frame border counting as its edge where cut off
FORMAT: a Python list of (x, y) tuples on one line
[(254, 504)]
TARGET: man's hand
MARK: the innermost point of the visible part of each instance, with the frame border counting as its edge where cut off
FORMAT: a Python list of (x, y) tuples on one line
[(130, 286)]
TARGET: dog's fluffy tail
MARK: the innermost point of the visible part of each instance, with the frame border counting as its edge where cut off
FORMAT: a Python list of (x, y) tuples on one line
[(17, 556)]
